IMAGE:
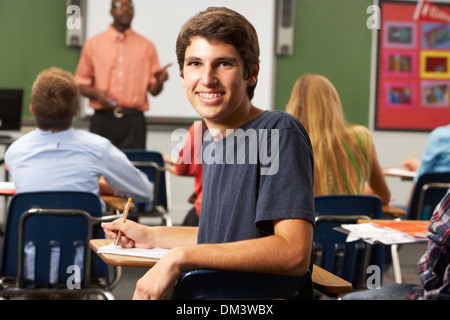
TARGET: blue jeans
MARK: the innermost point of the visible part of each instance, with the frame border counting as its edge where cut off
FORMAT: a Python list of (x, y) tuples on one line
[(395, 291)]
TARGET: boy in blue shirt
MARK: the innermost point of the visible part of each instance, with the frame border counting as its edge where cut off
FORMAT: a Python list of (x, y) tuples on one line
[(56, 157)]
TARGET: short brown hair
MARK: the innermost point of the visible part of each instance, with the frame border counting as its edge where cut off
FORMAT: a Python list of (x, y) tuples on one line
[(54, 97), (224, 25)]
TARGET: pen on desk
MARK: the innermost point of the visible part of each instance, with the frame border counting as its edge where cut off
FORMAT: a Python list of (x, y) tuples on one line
[(125, 213)]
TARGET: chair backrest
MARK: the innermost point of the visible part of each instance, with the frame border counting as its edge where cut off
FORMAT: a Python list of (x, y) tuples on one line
[(214, 284), (22, 202), (152, 164), (53, 245), (428, 191), (331, 250)]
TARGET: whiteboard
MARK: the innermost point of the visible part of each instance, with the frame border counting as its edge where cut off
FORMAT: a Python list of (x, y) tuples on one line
[(161, 21)]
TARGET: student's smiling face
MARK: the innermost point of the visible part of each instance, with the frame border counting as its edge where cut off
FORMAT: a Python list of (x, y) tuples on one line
[(213, 77)]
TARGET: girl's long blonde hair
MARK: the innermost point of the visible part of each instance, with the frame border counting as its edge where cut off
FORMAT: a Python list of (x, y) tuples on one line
[(342, 153)]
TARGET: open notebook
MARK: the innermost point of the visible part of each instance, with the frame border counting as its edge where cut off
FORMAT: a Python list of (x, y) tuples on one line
[(156, 253)]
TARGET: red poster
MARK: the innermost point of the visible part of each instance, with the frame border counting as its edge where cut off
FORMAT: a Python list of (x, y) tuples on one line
[(413, 66)]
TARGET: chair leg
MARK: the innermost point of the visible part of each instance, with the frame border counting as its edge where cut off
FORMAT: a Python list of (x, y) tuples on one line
[(166, 220), (117, 276), (396, 264), (107, 295)]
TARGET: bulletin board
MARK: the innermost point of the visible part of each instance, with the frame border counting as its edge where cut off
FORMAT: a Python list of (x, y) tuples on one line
[(413, 70)]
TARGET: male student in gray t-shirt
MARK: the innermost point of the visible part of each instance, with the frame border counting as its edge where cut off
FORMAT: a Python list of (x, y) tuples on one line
[(260, 205)]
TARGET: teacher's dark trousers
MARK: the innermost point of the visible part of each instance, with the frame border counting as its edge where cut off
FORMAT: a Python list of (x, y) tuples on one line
[(125, 128)]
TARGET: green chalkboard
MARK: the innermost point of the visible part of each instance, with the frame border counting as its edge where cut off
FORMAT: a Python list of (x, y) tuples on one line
[(331, 39), (32, 38)]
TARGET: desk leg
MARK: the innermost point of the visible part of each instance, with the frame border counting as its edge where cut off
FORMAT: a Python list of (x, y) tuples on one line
[(396, 264), (366, 264)]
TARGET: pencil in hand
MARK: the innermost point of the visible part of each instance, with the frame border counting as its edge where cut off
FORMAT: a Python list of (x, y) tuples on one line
[(413, 153), (125, 213)]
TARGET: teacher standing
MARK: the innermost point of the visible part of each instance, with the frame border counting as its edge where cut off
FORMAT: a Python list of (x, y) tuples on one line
[(116, 70)]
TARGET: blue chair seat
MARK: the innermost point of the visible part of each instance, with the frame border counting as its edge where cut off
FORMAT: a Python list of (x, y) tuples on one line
[(206, 284)]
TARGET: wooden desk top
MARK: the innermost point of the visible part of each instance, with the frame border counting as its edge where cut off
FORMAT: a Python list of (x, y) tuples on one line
[(393, 211), (116, 203), (120, 260), (327, 282), (323, 280)]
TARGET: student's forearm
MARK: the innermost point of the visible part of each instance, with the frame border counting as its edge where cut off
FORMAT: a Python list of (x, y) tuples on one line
[(104, 187), (171, 237), (378, 182), (287, 252), (272, 254), (379, 185), (142, 236)]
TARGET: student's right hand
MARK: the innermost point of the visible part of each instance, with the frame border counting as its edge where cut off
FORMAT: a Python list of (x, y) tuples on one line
[(411, 164), (133, 234), (155, 284)]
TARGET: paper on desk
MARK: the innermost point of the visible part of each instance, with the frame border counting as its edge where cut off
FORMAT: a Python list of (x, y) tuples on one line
[(371, 234), (7, 185), (156, 253), (400, 172)]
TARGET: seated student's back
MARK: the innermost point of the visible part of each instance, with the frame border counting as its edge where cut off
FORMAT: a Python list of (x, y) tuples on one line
[(345, 160), (55, 156)]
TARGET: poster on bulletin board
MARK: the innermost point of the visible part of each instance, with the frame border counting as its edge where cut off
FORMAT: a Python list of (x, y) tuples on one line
[(413, 66)]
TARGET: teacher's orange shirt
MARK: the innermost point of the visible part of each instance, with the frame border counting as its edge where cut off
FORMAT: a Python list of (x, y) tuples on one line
[(121, 63)]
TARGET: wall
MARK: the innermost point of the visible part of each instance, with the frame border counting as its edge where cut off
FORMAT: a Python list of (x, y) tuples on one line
[(331, 38), (32, 38)]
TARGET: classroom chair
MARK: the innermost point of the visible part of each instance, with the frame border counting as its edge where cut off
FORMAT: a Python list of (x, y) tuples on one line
[(152, 164), (45, 234), (206, 284), (331, 250), (428, 191)]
